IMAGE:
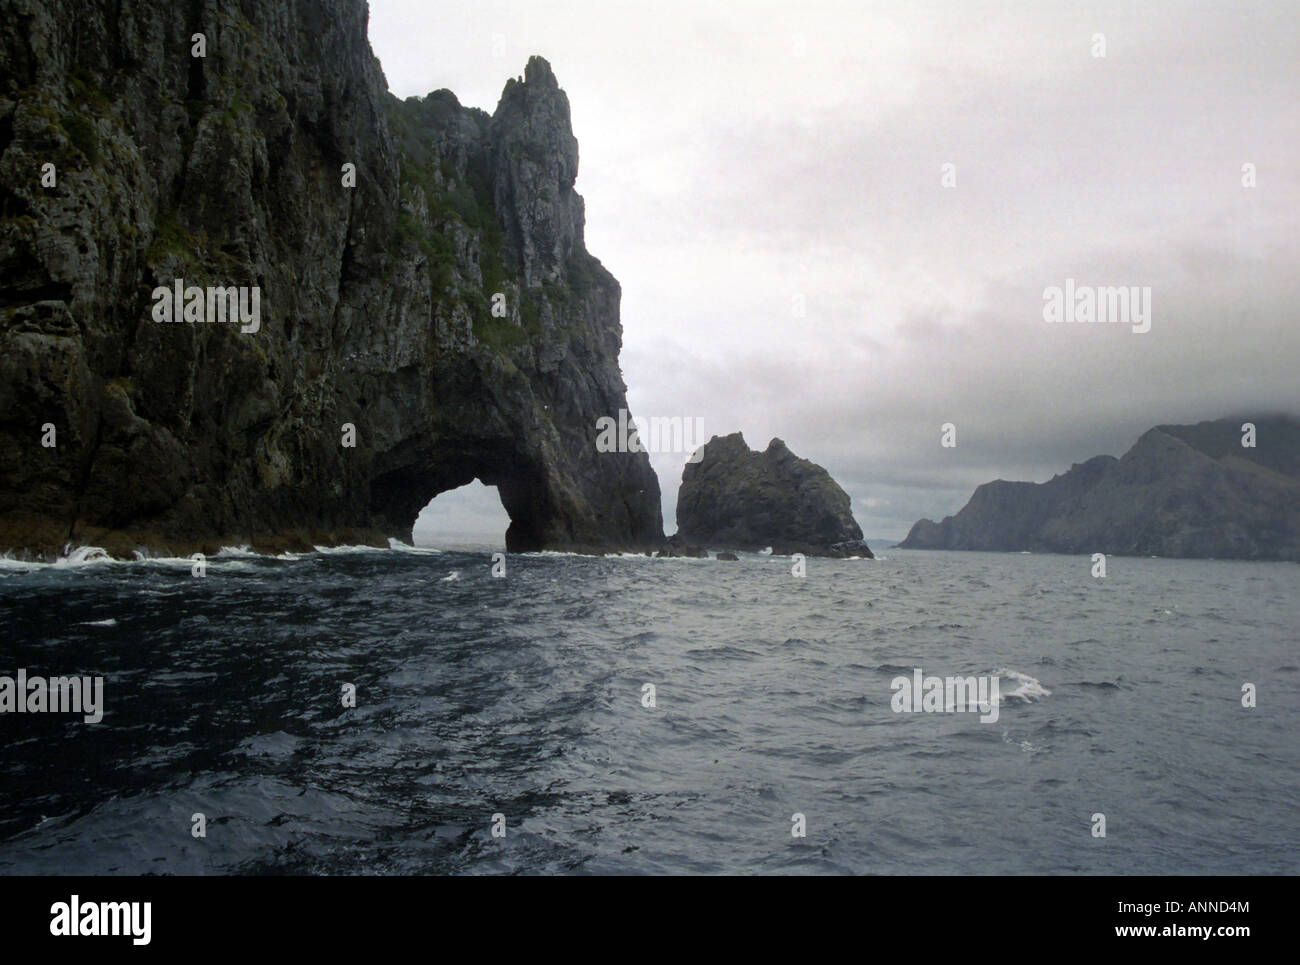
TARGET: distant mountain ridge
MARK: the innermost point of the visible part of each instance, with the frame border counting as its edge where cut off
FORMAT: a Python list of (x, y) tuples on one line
[(1181, 491)]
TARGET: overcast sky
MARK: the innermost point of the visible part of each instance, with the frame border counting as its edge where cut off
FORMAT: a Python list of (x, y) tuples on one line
[(737, 155)]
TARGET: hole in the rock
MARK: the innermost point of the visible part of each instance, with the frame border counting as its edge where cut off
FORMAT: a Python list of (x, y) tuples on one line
[(470, 517)]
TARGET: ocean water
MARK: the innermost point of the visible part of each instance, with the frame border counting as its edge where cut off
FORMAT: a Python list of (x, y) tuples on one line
[(522, 697)]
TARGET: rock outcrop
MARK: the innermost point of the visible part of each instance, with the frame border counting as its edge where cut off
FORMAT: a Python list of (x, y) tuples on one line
[(675, 546), (128, 163), (736, 498), (1191, 491)]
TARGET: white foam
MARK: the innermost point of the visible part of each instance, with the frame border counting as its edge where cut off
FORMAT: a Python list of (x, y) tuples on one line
[(110, 622), (147, 557), (82, 556), (1030, 688), (400, 547), (235, 552), (73, 558)]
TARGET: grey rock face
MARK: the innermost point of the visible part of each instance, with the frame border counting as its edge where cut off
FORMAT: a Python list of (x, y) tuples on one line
[(1190, 491), (739, 498), (677, 547), (376, 300), (850, 548)]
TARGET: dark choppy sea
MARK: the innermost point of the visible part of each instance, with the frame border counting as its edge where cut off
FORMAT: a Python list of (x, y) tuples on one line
[(522, 696)]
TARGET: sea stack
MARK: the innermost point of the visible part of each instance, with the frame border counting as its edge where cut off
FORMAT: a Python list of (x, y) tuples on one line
[(734, 498)]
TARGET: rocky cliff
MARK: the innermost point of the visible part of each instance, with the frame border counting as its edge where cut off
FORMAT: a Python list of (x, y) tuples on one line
[(1190, 491), (736, 498), (376, 232)]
